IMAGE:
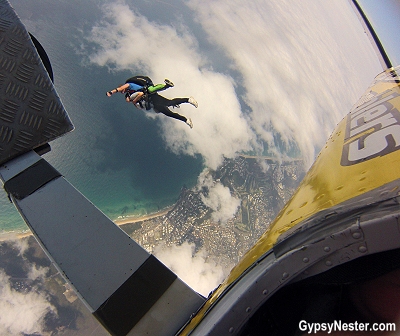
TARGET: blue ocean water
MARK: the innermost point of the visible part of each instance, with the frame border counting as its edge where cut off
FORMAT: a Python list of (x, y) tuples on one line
[(115, 156)]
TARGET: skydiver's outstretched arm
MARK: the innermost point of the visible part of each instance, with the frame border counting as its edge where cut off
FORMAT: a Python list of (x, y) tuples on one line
[(126, 87), (121, 88)]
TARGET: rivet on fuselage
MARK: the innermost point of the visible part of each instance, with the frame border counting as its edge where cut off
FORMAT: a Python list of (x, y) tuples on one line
[(362, 249)]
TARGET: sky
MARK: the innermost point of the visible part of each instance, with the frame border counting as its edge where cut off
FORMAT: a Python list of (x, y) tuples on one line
[(386, 23), (276, 75)]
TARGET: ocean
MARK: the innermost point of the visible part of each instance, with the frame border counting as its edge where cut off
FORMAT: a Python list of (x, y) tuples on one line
[(116, 156)]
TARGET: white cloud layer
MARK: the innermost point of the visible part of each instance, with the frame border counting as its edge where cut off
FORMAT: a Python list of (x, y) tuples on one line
[(218, 198), (196, 270), (23, 311), (302, 67), (297, 60)]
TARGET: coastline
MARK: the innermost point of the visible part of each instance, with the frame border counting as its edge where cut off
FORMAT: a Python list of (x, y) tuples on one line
[(120, 221), (135, 219), (14, 235), (129, 219)]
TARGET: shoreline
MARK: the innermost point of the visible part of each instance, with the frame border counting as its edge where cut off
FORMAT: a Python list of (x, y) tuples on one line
[(120, 221), (129, 219), (14, 235), (135, 219)]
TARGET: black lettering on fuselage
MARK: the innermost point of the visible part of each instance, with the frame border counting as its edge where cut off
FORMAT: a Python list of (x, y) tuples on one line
[(372, 130)]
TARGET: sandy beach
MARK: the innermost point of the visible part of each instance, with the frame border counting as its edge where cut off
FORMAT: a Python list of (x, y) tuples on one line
[(134, 219), (14, 235)]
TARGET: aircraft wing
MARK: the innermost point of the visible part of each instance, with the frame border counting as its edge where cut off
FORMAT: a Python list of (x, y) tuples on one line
[(128, 290)]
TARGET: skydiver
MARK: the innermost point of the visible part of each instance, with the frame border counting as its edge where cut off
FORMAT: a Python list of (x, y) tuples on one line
[(140, 83), (160, 104)]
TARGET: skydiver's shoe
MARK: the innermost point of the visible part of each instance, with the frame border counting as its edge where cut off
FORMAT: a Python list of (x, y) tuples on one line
[(168, 83), (193, 102), (189, 122)]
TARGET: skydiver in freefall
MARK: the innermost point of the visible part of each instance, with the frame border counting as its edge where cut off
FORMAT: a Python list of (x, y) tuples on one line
[(160, 104), (140, 83)]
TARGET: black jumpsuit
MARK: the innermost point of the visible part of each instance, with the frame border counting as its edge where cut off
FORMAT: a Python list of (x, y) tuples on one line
[(160, 104)]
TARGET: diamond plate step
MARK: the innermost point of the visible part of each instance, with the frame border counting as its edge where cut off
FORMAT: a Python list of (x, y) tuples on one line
[(31, 112)]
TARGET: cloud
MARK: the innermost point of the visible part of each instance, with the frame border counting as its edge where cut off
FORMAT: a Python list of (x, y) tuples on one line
[(218, 198), (22, 312), (20, 244), (195, 269), (299, 65)]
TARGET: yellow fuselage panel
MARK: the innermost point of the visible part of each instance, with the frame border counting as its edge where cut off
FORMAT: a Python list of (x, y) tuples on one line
[(361, 155)]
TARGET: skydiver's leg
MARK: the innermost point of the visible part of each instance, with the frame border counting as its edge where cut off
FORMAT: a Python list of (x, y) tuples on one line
[(161, 101), (160, 87), (176, 101), (165, 110)]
